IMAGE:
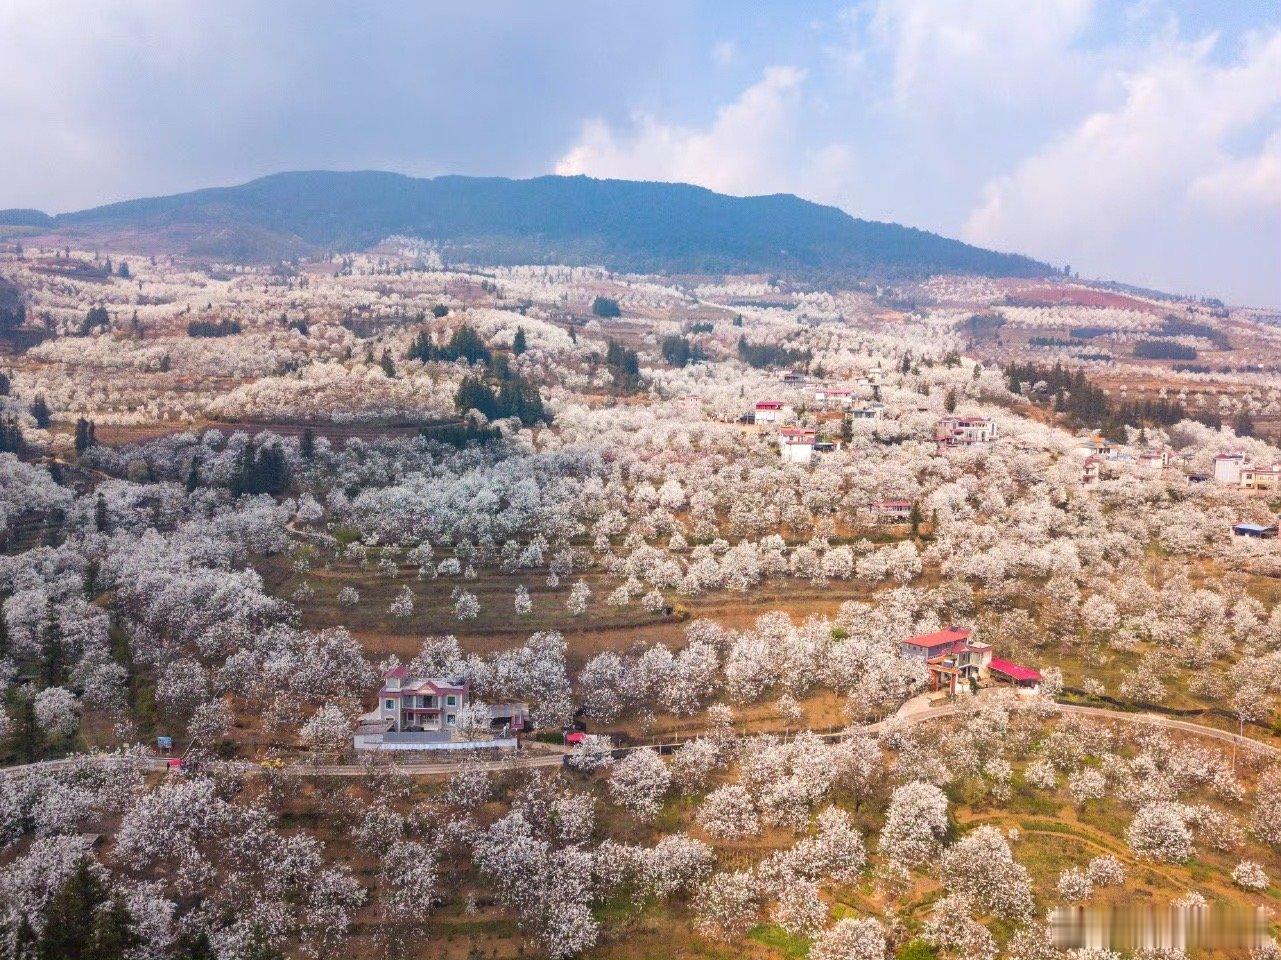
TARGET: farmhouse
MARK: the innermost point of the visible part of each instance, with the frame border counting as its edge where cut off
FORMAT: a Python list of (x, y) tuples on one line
[(797, 444), (771, 411), (422, 713), (1254, 531), (874, 412), (956, 662), (1090, 471), (964, 431), (834, 396), (420, 704), (1260, 478), (1227, 468), (892, 511)]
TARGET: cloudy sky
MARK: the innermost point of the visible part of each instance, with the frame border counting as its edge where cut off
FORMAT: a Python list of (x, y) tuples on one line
[(1134, 140)]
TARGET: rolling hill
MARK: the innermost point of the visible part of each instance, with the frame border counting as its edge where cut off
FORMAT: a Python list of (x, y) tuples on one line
[(620, 224)]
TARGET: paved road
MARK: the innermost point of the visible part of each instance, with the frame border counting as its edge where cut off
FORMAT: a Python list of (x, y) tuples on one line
[(913, 712)]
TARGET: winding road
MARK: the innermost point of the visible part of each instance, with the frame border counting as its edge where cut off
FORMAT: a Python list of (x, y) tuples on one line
[(915, 711)]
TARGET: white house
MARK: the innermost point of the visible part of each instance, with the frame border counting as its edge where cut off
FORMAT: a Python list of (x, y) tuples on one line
[(953, 431), (1227, 468), (771, 411), (420, 704), (834, 396), (797, 444)]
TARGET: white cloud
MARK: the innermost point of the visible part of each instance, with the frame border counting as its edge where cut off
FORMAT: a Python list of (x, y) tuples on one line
[(1150, 164), (1243, 186), (724, 52), (748, 148), (957, 56)]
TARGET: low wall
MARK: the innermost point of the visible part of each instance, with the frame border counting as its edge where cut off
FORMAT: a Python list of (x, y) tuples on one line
[(381, 742)]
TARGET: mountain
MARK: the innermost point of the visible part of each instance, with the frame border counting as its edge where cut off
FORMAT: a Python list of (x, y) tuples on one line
[(620, 224)]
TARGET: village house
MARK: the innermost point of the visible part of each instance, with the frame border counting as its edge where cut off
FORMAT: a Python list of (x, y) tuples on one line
[(1227, 468), (1254, 531), (1155, 460), (422, 713), (957, 663), (797, 444), (874, 412), (1090, 471), (771, 411), (964, 431), (892, 511), (1260, 478), (834, 396), (1234, 470)]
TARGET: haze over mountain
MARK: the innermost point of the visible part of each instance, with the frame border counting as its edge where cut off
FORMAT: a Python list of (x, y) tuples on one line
[(620, 224)]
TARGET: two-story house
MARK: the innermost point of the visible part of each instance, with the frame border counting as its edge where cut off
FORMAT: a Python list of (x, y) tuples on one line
[(420, 704)]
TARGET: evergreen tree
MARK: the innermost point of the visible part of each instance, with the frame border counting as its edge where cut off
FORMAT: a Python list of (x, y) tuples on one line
[(518, 342), (389, 367), (55, 473), (81, 923), (422, 348), (1243, 424), (307, 445), (198, 947), (949, 401), (28, 742), (193, 475), (40, 411), (474, 394), (4, 384), (84, 435), (11, 440), (100, 519), (440, 310), (123, 270)]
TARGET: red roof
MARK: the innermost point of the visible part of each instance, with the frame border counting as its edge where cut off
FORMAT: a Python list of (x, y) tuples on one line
[(1013, 670), (946, 636), (769, 405), (575, 738)]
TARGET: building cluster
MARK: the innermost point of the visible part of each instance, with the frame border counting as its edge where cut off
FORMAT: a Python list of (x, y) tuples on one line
[(1235, 470)]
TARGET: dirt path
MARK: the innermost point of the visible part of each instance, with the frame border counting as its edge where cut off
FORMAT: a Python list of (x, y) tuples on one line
[(911, 713)]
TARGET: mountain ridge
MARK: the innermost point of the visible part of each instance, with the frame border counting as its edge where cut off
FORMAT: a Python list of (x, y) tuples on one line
[(627, 225)]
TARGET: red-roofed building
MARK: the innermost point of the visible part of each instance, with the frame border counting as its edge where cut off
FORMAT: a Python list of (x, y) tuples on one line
[(1016, 674), (958, 663), (771, 411)]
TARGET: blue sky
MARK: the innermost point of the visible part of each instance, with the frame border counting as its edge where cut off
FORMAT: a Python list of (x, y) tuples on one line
[(1134, 140)]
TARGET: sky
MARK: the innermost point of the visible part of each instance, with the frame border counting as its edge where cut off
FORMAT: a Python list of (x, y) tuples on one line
[(1138, 141)]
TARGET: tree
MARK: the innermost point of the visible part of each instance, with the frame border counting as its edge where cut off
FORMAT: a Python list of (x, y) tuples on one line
[(949, 401), (1243, 423), (123, 270), (388, 365), (439, 310), (914, 824), (193, 475), (850, 939), (84, 436), (40, 411), (639, 782), (518, 342), (307, 445), (100, 518), (606, 307), (81, 922)]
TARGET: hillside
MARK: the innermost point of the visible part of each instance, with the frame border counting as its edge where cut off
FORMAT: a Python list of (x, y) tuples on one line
[(622, 225)]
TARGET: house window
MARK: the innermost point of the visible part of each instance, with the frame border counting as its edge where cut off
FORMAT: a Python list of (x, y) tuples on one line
[(391, 704), (451, 701), (450, 718)]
